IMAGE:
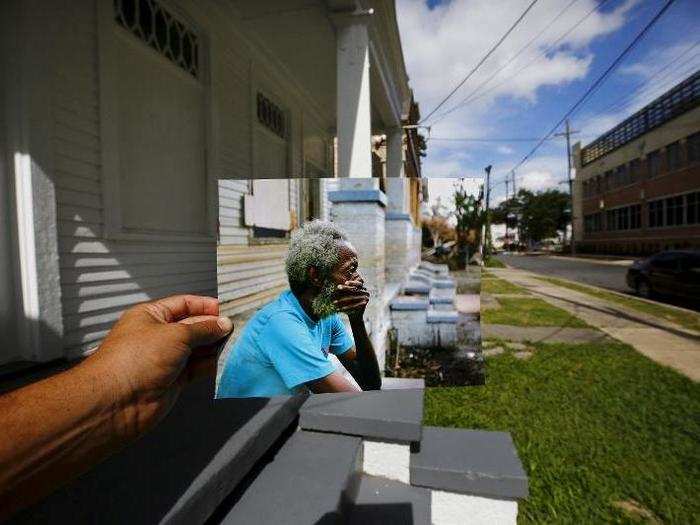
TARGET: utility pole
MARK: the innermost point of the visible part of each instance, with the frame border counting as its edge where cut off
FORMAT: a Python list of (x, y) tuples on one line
[(567, 133), (487, 221), (507, 182)]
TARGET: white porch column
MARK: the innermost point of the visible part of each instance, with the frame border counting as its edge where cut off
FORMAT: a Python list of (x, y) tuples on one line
[(359, 208), (394, 153), (401, 251), (354, 111)]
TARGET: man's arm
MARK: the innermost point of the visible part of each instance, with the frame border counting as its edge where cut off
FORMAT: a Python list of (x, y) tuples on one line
[(334, 382), (56, 429), (361, 360)]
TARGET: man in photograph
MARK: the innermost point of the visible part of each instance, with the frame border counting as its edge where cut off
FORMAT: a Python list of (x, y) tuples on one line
[(285, 347)]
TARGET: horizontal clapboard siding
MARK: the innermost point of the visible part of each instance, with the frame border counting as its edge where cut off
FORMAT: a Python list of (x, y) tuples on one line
[(100, 278), (231, 228), (249, 276)]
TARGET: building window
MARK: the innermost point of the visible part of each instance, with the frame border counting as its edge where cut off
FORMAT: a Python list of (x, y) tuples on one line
[(656, 213), (693, 208), (159, 29), (674, 211), (654, 164), (635, 216), (592, 222), (635, 171), (673, 156), (621, 177), (271, 116), (694, 148), (607, 180)]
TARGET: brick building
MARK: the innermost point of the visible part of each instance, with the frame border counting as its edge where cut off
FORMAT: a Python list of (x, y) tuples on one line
[(637, 187)]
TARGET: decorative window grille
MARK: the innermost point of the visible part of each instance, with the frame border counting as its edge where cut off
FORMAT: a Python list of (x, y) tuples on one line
[(153, 24), (271, 116)]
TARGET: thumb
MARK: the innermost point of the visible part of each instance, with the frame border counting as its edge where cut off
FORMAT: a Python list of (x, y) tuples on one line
[(208, 331)]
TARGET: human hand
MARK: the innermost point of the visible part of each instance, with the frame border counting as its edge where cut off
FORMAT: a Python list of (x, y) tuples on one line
[(154, 350), (352, 298)]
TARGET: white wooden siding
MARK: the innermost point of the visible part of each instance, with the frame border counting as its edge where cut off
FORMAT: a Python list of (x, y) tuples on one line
[(100, 277), (231, 228), (249, 276)]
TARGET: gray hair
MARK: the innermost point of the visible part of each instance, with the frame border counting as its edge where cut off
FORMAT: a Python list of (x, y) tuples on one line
[(316, 244)]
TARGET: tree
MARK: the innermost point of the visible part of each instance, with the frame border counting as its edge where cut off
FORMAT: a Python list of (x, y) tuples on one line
[(439, 228), (469, 221), (541, 215)]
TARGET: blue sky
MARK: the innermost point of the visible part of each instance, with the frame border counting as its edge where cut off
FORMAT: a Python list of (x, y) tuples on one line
[(442, 41)]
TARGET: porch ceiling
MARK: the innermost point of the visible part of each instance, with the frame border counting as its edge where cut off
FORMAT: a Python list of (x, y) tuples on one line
[(301, 35)]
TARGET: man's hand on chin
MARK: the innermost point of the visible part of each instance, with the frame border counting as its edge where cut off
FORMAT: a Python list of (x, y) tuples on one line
[(352, 298)]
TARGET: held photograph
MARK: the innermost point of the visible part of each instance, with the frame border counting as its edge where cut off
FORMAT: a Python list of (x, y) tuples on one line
[(346, 285)]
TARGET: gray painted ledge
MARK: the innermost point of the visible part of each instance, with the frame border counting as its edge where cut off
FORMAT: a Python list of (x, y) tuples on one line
[(409, 302), (304, 483), (382, 501), (392, 415), (338, 196), (476, 462)]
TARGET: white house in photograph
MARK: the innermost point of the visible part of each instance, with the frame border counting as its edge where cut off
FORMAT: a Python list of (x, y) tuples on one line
[(118, 117), (380, 216)]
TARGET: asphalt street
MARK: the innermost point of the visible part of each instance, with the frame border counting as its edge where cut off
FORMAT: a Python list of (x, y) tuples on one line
[(605, 274), (596, 273)]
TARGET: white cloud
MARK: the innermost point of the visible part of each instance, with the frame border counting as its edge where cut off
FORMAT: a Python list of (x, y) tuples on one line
[(443, 44), (505, 150)]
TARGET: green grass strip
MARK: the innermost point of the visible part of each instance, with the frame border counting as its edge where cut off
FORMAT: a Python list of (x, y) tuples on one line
[(529, 312), (492, 262), (593, 424), (688, 320), (500, 286)]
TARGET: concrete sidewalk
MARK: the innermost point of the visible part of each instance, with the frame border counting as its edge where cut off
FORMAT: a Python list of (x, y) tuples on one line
[(658, 339)]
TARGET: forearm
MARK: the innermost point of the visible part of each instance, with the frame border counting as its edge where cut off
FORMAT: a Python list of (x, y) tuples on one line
[(54, 430), (367, 372)]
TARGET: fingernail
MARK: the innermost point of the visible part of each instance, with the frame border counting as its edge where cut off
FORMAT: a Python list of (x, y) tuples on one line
[(225, 324)]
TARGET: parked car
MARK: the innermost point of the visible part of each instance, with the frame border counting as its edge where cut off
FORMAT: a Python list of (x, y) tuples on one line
[(674, 272)]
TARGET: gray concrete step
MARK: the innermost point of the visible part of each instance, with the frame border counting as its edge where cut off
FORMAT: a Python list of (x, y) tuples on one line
[(472, 462), (382, 501), (393, 415), (416, 287), (306, 482)]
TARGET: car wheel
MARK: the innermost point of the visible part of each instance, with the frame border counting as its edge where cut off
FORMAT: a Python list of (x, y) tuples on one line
[(644, 289)]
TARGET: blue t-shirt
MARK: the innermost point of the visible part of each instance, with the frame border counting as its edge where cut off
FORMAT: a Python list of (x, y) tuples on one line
[(280, 349)]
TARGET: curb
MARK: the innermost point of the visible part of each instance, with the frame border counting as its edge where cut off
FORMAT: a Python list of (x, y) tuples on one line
[(620, 294)]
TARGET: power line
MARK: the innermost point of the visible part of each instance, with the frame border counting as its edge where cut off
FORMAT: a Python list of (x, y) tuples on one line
[(622, 101), (477, 139), (599, 81), (478, 65), (473, 96)]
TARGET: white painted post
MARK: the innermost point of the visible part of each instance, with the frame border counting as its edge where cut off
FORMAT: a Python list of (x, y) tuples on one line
[(394, 153), (353, 97)]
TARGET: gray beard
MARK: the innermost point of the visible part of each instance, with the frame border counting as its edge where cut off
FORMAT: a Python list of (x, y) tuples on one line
[(322, 305)]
